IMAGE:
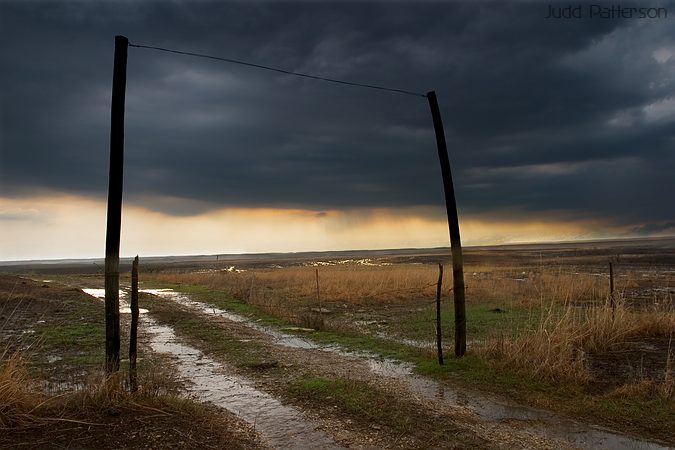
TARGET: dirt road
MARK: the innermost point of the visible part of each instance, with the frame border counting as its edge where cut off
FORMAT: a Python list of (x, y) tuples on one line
[(355, 400)]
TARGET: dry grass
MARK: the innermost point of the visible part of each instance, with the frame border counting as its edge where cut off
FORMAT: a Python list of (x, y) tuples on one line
[(105, 414), (289, 293), (647, 388), (557, 348), (348, 284), (103, 391), (575, 320), (18, 396), (550, 285), (399, 284), (24, 402)]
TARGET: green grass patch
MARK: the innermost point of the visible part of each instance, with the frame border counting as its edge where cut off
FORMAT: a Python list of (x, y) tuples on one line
[(77, 336), (370, 406), (486, 319), (83, 336), (356, 399), (220, 342)]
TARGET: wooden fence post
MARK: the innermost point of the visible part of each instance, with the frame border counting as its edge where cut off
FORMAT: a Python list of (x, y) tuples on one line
[(439, 338), (318, 296), (453, 225), (133, 333), (114, 218), (612, 302)]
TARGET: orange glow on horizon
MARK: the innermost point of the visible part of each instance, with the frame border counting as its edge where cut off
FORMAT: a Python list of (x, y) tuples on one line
[(66, 226)]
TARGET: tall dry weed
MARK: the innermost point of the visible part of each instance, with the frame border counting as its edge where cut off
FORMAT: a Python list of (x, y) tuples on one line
[(290, 293), (18, 395), (397, 284), (23, 401), (647, 388)]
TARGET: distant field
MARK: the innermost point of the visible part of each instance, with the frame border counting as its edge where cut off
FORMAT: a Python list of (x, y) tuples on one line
[(660, 250)]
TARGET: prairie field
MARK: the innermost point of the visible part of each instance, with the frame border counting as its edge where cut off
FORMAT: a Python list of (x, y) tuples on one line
[(545, 329), (548, 313)]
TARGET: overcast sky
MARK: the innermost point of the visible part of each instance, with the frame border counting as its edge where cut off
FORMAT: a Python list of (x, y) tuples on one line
[(563, 121)]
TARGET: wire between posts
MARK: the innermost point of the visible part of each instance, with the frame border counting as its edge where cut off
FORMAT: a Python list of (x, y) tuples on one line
[(276, 69)]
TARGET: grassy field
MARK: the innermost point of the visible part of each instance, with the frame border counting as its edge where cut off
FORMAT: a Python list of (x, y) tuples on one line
[(541, 328), (543, 312)]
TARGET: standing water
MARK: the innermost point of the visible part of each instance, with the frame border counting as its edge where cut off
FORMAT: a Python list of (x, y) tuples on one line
[(281, 426), (544, 423)]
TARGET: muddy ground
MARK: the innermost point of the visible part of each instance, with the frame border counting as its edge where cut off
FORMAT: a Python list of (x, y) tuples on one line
[(338, 394), (57, 329)]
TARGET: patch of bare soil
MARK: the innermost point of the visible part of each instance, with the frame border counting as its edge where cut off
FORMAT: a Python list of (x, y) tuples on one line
[(123, 428), (66, 346)]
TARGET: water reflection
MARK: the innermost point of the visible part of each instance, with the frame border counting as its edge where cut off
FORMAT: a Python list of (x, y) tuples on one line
[(542, 422)]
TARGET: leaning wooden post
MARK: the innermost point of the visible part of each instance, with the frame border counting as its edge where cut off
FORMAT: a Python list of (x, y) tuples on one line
[(453, 225), (439, 287), (114, 220), (133, 333)]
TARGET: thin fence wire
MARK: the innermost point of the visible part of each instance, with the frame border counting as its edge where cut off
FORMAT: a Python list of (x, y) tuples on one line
[(306, 302), (297, 308), (279, 70)]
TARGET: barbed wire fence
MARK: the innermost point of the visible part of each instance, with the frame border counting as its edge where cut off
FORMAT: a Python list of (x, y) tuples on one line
[(115, 188)]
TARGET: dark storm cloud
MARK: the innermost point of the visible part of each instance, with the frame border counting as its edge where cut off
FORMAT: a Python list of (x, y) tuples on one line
[(575, 116), (651, 229)]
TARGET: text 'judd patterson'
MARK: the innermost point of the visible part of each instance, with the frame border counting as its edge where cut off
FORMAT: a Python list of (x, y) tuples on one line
[(604, 12)]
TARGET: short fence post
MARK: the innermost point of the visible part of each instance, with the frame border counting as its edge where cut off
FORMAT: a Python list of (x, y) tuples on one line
[(439, 287), (318, 296), (611, 289), (133, 334)]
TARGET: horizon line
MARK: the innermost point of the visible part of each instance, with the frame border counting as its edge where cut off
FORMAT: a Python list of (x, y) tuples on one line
[(510, 244)]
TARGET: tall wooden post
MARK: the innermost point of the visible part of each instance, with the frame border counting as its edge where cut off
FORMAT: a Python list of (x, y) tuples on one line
[(133, 332), (453, 225), (114, 220)]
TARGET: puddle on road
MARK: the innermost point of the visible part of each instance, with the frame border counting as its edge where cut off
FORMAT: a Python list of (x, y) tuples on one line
[(281, 426), (287, 340), (124, 302), (541, 422)]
